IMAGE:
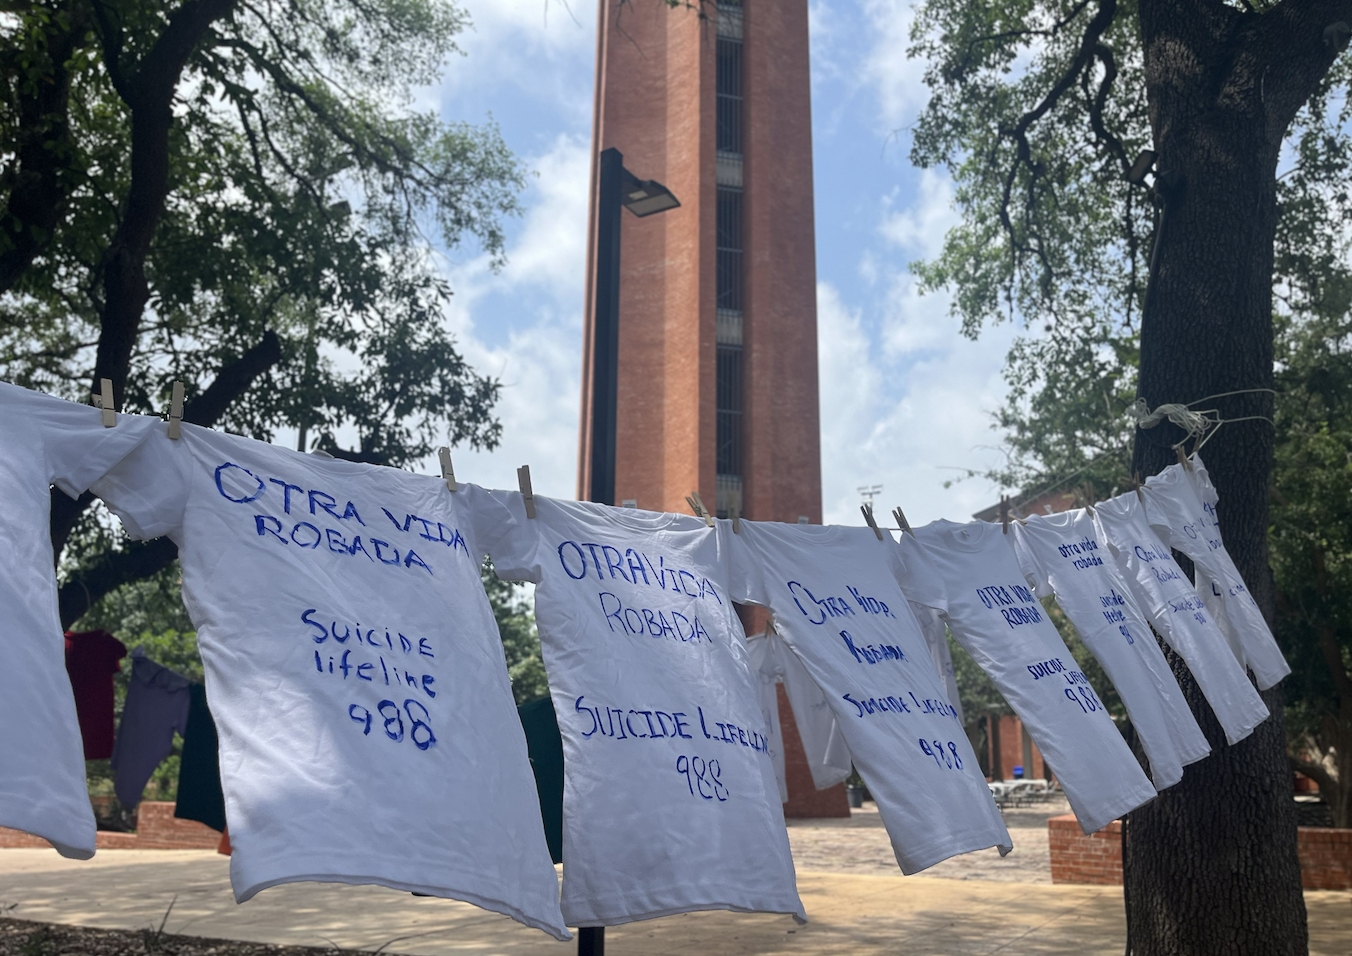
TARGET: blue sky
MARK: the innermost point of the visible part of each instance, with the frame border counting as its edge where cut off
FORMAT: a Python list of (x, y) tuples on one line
[(906, 400)]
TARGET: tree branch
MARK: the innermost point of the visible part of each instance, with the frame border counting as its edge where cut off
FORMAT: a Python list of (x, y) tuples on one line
[(1089, 44), (206, 410), (138, 560), (1327, 784), (1104, 54), (149, 91), (1052, 31), (1290, 39), (36, 193), (233, 381)]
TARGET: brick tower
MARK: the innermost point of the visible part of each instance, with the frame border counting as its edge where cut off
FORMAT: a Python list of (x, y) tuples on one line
[(700, 360)]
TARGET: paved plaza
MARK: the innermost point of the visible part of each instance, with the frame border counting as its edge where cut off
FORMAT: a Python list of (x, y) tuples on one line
[(856, 898), (859, 845)]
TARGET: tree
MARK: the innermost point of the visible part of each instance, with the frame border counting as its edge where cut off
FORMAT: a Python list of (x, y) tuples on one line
[(520, 639), (1116, 168), (1312, 550), (237, 194)]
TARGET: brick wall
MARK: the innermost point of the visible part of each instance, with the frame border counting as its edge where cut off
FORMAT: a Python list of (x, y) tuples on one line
[(1076, 858), (1325, 858), (1009, 746), (17, 838), (1325, 855), (156, 829)]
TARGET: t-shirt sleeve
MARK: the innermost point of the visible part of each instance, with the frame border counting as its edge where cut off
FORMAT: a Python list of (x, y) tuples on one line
[(507, 536), (916, 575), (1156, 510), (1033, 571), (486, 519), (742, 565), (148, 489), (77, 447)]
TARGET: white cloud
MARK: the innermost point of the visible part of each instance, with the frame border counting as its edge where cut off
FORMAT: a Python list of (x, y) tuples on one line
[(537, 52), (524, 326), (913, 322), (906, 426), (897, 80), (920, 232)]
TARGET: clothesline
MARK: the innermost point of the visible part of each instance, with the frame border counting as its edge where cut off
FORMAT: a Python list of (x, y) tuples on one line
[(356, 674)]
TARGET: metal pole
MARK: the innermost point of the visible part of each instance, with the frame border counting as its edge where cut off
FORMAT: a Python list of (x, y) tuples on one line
[(591, 941), (606, 329)]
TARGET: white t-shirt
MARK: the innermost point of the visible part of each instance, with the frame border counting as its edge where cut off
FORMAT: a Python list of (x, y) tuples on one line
[(669, 799), (353, 668), (838, 606), (1062, 556), (1185, 522), (45, 442), (936, 636), (1178, 614), (828, 756), (1209, 590), (766, 673), (996, 619)]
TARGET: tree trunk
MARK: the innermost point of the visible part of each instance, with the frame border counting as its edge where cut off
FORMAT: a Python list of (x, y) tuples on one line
[(1212, 866)]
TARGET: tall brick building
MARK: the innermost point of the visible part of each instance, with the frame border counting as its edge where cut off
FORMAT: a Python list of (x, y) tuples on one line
[(716, 374)]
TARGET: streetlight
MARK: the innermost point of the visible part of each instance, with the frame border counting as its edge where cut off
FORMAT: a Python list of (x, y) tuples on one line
[(869, 492), (617, 188)]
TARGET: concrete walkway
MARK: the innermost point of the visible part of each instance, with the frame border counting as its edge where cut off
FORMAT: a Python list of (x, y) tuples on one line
[(859, 845), (853, 914)]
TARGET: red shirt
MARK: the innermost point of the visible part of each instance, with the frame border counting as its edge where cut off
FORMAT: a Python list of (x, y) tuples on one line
[(91, 660)]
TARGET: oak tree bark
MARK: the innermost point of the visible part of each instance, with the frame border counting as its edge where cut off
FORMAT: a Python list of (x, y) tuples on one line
[(1211, 864)]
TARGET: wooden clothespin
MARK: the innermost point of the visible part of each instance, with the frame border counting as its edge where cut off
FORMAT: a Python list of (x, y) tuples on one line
[(176, 411), (736, 517), (1183, 458), (104, 400), (867, 509), (700, 510), (448, 472), (1004, 513), (527, 496), (1088, 493), (1136, 483), (902, 523)]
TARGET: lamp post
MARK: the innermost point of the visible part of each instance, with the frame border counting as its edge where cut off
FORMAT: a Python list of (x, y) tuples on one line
[(617, 189)]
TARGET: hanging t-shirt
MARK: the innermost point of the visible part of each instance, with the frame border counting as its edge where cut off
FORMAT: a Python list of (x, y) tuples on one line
[(824, 747), (45, 442), (767, 674), (936, 636), (354, 670), (155, 709), (998, 620), (199, 795), (1062, 556), (1178, 614), (91, 661), (839, 609), (1210, 591), (669, 802), (546, 762), (1186, 523)]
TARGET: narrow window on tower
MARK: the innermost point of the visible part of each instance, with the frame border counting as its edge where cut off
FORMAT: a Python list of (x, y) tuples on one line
[(729, 254)]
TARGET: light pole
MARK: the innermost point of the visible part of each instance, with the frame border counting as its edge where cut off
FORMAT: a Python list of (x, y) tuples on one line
[(617, 189)]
